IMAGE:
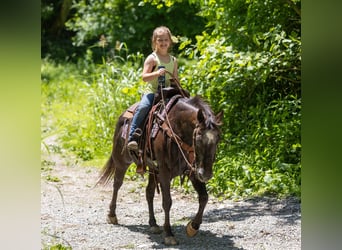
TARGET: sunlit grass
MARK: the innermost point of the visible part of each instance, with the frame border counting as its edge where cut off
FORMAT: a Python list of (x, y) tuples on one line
[(83, 109)]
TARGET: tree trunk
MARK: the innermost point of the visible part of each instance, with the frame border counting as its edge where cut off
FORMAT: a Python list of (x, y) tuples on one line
[(58, 24)]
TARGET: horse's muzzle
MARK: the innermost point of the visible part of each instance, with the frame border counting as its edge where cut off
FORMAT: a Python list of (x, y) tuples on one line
[(202, 175)]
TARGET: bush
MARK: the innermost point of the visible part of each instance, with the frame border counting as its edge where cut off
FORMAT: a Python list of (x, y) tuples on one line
[(260, 94)]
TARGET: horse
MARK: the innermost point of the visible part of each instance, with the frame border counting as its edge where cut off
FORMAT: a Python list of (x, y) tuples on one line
[(185, 145)]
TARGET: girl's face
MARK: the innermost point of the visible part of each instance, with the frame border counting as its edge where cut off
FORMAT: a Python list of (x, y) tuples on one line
[(162, 42)]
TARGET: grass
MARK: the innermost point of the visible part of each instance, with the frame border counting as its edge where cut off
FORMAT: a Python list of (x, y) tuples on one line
[(57, 247)]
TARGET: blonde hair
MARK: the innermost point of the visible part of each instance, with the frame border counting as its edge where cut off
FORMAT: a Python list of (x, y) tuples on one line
[(159, 30)]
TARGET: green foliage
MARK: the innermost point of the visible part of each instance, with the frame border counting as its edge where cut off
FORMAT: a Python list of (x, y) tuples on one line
[(129, 22), (58, 247), (52, 178), (253, 74), (84, 106), (55, 39)]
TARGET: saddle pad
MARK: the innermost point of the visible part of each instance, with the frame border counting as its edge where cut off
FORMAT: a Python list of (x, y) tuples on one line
[(130, 111), (128, 115)]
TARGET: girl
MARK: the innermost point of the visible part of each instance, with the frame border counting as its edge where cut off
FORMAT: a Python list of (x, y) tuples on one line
[(161, 44)]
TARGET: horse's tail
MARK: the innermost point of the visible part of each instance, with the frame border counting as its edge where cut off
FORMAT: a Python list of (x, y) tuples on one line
[(107, 172)]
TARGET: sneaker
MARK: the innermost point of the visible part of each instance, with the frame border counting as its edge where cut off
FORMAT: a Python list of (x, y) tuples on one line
[(140, 170), (132, 145)]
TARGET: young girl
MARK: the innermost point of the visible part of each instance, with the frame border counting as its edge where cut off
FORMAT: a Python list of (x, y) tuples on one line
[(161, 44)]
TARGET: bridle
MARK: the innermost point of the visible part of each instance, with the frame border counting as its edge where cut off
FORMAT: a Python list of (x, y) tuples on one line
[(183, 146)]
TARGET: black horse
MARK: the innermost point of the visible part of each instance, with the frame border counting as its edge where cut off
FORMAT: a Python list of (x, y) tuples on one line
[(185, 145)]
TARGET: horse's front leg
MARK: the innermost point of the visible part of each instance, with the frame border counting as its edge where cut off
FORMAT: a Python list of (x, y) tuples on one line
[(194, 225), (150, 190), (167, 203)]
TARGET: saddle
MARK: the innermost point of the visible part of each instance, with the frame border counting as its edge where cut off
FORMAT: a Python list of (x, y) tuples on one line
[(163, 102)]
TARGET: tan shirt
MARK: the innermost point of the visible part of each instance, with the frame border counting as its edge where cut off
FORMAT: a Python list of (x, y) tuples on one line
[(152, 86)]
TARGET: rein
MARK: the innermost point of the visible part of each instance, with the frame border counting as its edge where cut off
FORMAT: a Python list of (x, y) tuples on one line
[(181, 145), (177, 83)]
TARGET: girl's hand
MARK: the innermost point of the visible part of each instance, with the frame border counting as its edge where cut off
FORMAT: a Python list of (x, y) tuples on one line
[(161, 71)]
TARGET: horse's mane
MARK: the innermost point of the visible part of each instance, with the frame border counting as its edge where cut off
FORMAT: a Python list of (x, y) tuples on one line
[(198, 102)]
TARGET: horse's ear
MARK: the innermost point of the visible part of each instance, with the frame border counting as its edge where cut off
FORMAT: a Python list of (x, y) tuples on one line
[(200, 116), (219, 118)]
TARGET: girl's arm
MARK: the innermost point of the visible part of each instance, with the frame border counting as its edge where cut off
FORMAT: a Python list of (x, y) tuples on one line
[(147, 74)]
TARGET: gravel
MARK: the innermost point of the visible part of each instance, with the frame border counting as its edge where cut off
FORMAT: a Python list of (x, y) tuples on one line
[(73, 214)]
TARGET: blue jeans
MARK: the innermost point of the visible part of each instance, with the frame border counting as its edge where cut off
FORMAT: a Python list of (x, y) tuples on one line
[(143, 108)]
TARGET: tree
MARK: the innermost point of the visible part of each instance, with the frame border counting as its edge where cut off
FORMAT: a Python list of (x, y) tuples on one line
[(55, 40), (117, 21)]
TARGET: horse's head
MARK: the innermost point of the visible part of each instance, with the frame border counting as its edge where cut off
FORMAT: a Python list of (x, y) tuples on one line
[(205, 140)]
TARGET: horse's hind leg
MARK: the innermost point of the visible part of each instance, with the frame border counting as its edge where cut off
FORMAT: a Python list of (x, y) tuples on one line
[(119, 175), (150, 191), (193, 226)]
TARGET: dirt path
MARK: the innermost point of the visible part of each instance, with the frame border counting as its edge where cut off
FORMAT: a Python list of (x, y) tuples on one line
[(73, 213)]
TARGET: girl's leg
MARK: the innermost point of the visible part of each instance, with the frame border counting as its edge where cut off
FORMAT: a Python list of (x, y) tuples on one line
[(140, 114)]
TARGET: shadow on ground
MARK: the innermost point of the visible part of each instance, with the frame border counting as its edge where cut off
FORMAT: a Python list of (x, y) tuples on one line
[(203, 240), (288, 210)]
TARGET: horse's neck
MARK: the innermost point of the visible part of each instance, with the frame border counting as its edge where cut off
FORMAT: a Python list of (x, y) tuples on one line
[(184, 119)]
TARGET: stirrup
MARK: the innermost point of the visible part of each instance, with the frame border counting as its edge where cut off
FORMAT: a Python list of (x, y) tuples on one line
[(133, 142), (140, 169), (132, 145), (137, 132)]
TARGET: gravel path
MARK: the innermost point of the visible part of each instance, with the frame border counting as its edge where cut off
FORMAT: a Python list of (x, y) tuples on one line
[(73, 213)]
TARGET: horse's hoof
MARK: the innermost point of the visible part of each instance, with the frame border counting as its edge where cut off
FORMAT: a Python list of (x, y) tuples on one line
[(190, 231), (156, 230), (112, 220), (170, 241)]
